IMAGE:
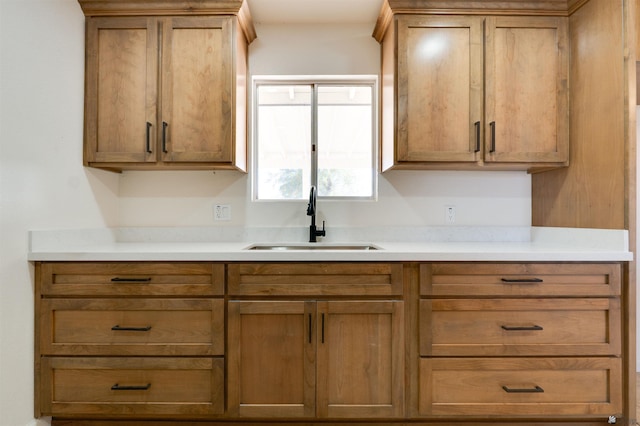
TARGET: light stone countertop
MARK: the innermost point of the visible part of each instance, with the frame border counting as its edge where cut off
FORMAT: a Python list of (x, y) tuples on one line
[(229, 244)]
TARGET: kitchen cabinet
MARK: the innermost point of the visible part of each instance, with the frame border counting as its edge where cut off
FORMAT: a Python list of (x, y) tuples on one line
[(329, 342), (520, 340), (469, 91), (165, 92), (122, 339), (316, 358)]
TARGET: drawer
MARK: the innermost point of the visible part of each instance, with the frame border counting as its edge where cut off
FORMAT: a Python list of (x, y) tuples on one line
[(132, 387), (520, 279), (132, 327), (308, 279), (533, 327), (520, 386), (130, 279)]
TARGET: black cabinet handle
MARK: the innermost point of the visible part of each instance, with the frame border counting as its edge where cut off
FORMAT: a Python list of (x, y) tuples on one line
[(535, 389), (522, 280), (522, 328), (164, 136), (130, 280), (492, 148), (310, 327), (149, 150), (477, 124), (117, 387), (119, 328), (322, 328)]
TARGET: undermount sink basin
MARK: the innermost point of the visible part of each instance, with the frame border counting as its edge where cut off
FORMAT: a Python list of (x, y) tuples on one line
[(312, 246)]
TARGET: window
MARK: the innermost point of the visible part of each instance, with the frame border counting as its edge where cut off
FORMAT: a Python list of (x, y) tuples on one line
[(320, 133)]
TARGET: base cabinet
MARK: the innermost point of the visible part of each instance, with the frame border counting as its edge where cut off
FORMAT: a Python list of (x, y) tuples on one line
[(302, 343)]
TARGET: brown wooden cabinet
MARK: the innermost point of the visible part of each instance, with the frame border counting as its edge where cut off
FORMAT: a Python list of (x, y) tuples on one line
[(520, 340), (165, 92), (133, 340), (329, 342), (474, 90), (316, 358)]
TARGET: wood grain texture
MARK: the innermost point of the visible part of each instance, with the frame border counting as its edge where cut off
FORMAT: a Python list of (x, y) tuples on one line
[(176, 386), (592, 193)]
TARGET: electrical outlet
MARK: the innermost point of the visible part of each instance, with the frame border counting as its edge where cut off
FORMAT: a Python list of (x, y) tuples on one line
[(222, 212), (449, 214)]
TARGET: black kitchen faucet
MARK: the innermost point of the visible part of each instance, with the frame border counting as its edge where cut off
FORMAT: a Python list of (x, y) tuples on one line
[(311, 211)]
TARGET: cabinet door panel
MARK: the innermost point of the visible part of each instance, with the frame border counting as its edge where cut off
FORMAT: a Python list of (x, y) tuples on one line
[(360, 359), (527, 91), (121, 90), (197, 98), (440, 88), (271, 359)]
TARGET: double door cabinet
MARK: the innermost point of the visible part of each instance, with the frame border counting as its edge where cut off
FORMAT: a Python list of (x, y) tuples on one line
[(336, 342), (469, 91), (165, 92)]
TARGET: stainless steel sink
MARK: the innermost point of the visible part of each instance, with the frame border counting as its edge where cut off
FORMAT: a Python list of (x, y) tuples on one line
[(312, 246)]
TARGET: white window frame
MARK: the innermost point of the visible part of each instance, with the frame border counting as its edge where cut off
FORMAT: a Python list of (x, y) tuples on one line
[(315, 81)]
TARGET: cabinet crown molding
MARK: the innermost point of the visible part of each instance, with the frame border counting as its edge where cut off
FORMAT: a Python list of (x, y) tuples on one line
[(475, 7), (239, 8)]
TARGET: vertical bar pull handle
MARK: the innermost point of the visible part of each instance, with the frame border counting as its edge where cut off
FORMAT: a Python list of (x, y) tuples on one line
[(164, 136), (310, 329), (492, 148), (477, 125), (322, 328), (149, 150)]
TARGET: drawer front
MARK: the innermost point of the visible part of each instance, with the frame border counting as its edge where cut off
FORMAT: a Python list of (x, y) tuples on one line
[(517, 386), (307, 279), (132, 327), (520, 280), (525, 327), (129, 387), (130, 279)]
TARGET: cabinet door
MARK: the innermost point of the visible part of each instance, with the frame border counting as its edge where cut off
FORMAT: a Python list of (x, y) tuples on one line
[(360, 359), (121, 90), (197, 98), (527, 90), (439, 88), (271, 355)]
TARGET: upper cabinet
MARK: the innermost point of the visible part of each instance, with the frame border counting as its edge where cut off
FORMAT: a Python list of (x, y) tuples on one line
[(168, 89), (470, 91)]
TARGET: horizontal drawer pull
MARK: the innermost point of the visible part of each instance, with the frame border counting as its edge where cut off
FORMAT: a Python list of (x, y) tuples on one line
[(117, 387), (119, 328), (522, 328), (130, 280), (535, 389), (522, 280)]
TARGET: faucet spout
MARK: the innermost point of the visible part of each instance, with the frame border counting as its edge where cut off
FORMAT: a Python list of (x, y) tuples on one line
[(311, 211)]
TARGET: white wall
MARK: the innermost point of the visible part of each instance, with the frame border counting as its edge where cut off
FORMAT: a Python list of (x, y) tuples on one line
[(43, 183)]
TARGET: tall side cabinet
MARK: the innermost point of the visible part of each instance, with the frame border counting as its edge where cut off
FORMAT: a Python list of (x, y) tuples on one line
[(166, 85)]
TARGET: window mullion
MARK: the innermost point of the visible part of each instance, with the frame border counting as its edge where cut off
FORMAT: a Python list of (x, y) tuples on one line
[(314, 136)]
